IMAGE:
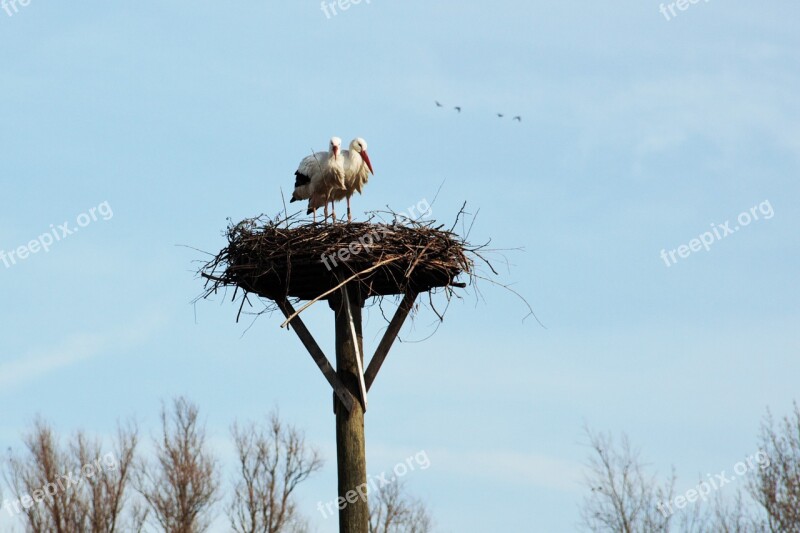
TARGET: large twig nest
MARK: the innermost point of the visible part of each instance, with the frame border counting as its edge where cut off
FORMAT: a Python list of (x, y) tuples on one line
[(284, 258)]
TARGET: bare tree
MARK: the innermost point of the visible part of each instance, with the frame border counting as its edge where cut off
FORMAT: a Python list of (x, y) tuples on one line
[(736, 515), (777, 485), (623, 498), (105, 491), (181, 485), (76, 489), (392, 510), (29, 476), (273, 460)]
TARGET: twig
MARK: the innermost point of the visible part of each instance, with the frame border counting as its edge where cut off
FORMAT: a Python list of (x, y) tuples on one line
[(285, 210), (509, 289)]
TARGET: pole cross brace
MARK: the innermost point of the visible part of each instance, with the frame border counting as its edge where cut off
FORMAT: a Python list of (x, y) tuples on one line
[(317, 354), (389, 336)]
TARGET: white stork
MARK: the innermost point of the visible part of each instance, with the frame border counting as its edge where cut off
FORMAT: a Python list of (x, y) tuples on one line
[(318, 176), (357, 168)]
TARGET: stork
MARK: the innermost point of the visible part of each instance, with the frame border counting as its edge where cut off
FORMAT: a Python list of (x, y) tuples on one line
[(318, 175), (357, 168)]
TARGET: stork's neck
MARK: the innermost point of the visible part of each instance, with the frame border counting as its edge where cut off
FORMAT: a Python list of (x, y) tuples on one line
[(353, 161)]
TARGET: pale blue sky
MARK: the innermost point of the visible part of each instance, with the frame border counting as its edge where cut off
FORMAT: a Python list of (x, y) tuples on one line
[(637, 134)]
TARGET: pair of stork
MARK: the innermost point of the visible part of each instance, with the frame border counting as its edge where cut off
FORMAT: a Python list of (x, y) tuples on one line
[(327, 177)]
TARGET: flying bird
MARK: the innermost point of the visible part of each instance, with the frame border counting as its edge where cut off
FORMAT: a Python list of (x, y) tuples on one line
[(438, 104), (357, 168), (457, 108), (500, 115), (318, 176), (517, 118)]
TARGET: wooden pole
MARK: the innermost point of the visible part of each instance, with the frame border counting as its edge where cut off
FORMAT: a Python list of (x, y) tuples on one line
[(350, 444)]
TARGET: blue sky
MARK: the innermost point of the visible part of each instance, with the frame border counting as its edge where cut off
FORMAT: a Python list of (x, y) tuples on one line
[(638, 133)]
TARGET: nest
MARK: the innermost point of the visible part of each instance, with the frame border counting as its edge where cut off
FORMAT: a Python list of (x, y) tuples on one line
[(282, 258)]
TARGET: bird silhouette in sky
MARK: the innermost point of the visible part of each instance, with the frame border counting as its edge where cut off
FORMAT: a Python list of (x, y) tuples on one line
[(457, 108)]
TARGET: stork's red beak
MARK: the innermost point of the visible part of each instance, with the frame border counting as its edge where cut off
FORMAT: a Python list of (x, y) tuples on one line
[(365, 156), (335, 152)]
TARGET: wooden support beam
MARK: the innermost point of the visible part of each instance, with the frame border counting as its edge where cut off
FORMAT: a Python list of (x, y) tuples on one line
[(317, 354), (389, 336)]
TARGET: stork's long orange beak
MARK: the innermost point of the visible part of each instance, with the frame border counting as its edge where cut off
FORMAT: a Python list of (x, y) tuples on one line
[(365, 156)]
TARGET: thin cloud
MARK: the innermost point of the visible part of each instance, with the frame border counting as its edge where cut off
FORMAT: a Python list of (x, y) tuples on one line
[(512, 467), (498, 465), (75, 349)]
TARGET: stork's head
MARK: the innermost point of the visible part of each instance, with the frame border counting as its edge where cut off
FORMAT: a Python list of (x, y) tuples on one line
[(335, 146), (359, 146)]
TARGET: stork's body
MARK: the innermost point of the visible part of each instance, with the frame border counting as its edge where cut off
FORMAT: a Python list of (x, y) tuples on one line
[(318, 176), (357, 168)]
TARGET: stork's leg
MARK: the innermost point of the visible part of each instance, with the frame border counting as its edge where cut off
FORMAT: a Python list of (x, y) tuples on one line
[(333, 207), (349, 215), (326, 211), (314, 212)]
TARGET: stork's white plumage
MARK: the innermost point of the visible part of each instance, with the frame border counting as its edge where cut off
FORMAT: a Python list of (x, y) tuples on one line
[(357, 168), (318, 176)]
